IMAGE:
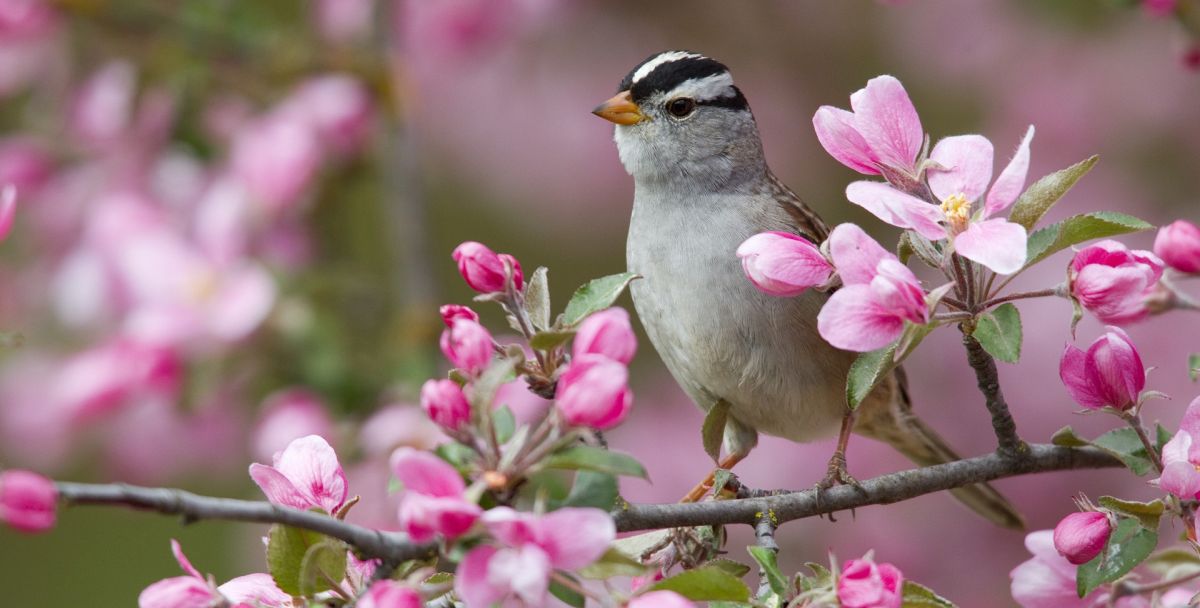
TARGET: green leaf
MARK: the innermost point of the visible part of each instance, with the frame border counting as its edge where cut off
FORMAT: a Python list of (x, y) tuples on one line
[(1126, 446), (714, 428), (588, 458), (484, 390), (593, 489), (505, 423), (568, 596), (537, 298), (1194, 366), (867, 371), (1067, 438), (767, 562), (613, 563), (595, 295), (546, 340), (999, 332), (457, 454), (1170, 563), (1077, 229), (636, 546), (913, 243), (1162, 436), (323, 566), (1127, 547), (914, 595), (1146, 513), (705, 584), (1044, 193), (286, 548), (737, 569)]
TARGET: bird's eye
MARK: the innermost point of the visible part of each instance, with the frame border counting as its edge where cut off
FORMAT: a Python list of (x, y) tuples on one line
[(680, 107)]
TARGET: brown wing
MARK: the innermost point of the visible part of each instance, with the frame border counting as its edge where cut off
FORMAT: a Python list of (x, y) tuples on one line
[(808, 223)]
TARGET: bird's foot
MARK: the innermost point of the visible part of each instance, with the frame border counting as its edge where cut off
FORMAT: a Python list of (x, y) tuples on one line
[(836, 475)]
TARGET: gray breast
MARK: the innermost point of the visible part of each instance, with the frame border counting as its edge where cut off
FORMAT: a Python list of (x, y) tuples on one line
[(719, 336)]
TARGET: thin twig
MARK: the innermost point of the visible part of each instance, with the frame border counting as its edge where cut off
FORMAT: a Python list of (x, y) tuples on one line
[(1135, 422), (988, 379), (1128, 588), (1041, 293)]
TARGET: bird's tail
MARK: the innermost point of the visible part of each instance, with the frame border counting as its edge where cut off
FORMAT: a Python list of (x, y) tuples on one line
[(893, 422)]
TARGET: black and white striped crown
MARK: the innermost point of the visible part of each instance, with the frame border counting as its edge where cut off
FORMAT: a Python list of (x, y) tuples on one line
[(684, 74)]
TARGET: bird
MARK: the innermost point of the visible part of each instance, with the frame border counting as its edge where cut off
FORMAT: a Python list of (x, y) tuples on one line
[(702, 186)]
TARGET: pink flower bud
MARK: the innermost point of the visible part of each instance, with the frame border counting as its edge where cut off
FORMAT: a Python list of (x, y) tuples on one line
[(1178, 244), (594, 392), (1079, 537), (27, 501), (783, 264), (865, 584), (445, 403), (483, 269), (390, 594), (1113, 282), (450, 312), (660, 599), (468, 345), (1110, 373), (607, 333)]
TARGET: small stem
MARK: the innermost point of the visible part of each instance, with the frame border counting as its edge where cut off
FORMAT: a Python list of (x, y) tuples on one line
[(952, 316), (972, 294), (1126, 588), (573, 586), (988, 378), (953, 303), (1135, 422), (1021, 295)]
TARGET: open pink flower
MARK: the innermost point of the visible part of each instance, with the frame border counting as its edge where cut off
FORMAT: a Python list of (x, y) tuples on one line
[(594, 391), (1181, 457), (196, 591), (783, 264), (865, 584), (8, 208), (1113, 281), (607, 333), (433, 500), (28, 501), (306, 474), (1178, 244), (1047, 580), (959, 177), (883, 130), (879, 295), (566, 539), (1109, 374)]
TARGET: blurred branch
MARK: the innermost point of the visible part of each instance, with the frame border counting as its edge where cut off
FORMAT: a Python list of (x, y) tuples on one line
[(391, 547), (763, 513), (989, 384), (881, 490)]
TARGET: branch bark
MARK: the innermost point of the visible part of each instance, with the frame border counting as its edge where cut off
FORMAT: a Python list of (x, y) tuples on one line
[(989, 384)]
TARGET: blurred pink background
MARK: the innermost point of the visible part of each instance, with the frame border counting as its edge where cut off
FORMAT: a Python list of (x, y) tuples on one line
[(218, 203)]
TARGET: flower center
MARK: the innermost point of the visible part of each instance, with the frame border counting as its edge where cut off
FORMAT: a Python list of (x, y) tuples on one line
[(958, 211), (202, 286)]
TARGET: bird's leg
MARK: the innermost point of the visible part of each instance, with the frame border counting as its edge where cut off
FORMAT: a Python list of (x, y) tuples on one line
[(837, 474), (704, 486)]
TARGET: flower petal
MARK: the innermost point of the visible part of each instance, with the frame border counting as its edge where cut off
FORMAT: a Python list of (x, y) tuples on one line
[(1180, 479), (837, 133), (897, 208), (968, 167), (183, 560), (855, 254), (574, 538), (1072, 370), (853, 320), (777, 263), (313, 467), (998, 244), (1011, 181), (471, 582), (257, 590), (277, 487), (889, 123), (425, 473)]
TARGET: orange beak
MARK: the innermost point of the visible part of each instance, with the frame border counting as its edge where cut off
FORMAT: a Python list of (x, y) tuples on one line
[(621, 110)]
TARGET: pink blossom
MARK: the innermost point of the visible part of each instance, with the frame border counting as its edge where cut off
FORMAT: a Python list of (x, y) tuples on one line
[(276, 157), (607, 333), (397, 425), (882, 131), (1178, 244), (24, 163), (337, 107), (28, 501), (1113, 281), (783, 264), (452, 312), (660, 599), (306, 474), (390, 594), (879, 296), (1079, 537), (343, 21), (594, 392), (446, 404), (865, 584), (257, 590), (1109, 374), (8, 209), (103, 106), (26, 18), (289, 414), (1160, 8), (483, 269), (468, 345), (1047, 580), (565, 539), (1181, 457), (109, 375), (196, 591), (433, 500), (959, 177)]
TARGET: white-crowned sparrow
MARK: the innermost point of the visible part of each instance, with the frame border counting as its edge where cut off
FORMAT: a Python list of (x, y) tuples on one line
[(702, 187)]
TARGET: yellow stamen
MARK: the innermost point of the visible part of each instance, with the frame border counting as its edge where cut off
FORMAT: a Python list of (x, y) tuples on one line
[(202, 286), (958, 211)]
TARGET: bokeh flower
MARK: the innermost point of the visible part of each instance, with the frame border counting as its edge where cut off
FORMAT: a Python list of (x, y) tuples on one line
[(1178, 245), (28, 501)]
